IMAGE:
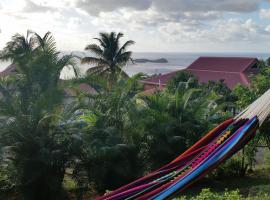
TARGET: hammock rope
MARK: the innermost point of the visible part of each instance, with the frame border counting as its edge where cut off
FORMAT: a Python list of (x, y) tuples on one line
[(259, 108), (205, 155)]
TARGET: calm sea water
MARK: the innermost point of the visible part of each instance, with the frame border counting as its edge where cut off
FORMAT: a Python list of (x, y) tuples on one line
[(176, 61)]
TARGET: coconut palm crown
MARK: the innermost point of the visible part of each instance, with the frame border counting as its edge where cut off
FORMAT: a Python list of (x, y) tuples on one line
[(108, 56)]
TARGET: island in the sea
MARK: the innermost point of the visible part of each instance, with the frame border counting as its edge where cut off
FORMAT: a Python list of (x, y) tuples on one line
[(143, 60)]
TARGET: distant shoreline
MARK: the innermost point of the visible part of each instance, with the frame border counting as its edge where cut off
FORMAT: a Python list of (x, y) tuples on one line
[(145, 60), (176, 61)]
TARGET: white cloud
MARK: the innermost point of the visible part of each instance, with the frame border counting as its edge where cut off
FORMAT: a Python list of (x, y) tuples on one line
[(153, 24), (220, 31), (265, 13), (74, 23), (30, 6), (97, 6), (235, 30)]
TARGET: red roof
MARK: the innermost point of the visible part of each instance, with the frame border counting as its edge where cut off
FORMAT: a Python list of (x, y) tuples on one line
[(8, 71), (223, 64), (83, 87), (233, 70), (160, 79), (151, 91), (230, 79)]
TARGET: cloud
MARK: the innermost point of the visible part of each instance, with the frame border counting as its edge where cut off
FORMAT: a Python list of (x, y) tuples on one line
[(31, 7), (235, 30), (174, 21), (220, 31), (94, 7), (264, 13), (206, 5), (74, 23), (153, 24), (149, 13)]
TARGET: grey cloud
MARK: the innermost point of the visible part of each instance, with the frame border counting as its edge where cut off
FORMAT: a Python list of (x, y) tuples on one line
[(206, 5), (33, 7), (221, 31), (94, 7), (152, 13)]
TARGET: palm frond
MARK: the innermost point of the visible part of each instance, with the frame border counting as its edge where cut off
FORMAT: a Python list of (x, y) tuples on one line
[(105, 37), (187, 96), (90, 60), (93, 60), (68, 61), (100, 42), (122, 73), (16, 48), (96, 70), (94, 49), (119, 35), (49, 43), (123, 58), (125, 46)]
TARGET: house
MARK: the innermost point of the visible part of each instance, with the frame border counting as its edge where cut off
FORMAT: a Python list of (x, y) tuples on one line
[(70, 92), (231, 70), (11, 69)]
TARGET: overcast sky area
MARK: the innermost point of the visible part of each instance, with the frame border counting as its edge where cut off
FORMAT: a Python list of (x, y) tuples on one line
[(155, 25)]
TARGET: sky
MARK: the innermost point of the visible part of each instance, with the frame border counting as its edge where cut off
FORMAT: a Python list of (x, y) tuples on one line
[(155, 25)]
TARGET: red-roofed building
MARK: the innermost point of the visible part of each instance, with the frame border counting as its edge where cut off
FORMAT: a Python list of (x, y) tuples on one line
[(232, 70), (81, 88), (11, 69), (70, 92)]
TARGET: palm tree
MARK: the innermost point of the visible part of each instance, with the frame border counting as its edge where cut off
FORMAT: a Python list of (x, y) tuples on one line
[(38, 65), (23, 50), (109, 57), (34, 128)]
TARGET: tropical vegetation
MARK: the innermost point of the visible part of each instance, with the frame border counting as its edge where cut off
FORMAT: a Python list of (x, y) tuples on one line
[(98, 142), (109, 56)]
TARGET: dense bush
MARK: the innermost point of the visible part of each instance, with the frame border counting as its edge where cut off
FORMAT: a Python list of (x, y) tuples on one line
[(35, 137), (232, 167), (206, 194), (117, 135)]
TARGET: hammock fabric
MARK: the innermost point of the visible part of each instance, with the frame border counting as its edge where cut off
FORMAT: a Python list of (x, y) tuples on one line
[(214, 148)]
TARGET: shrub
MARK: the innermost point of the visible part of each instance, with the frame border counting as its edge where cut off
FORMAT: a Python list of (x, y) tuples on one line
[(206, 194), (231, 168)]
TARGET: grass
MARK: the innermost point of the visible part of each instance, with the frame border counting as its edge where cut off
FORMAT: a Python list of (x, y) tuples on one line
[(254, 186)]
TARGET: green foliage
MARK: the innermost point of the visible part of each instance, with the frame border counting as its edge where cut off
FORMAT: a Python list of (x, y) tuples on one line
[(245, 95), (231, 168), (109, 57), (181, 78), (135, 134), (109, 158), (116, 136), (206, 194), (167, 126), (35, 136)]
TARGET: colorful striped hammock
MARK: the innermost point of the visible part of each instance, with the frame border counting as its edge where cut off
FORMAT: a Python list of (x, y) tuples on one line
[(214, 148)]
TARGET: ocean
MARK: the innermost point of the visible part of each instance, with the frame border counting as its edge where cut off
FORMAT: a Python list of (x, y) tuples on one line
[(176, 61)]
